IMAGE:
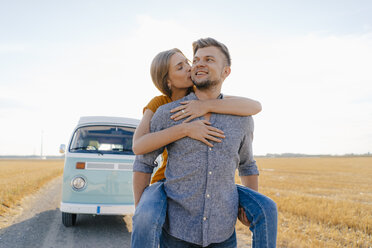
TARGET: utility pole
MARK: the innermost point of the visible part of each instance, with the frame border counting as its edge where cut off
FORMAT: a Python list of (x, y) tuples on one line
[(41, 148)]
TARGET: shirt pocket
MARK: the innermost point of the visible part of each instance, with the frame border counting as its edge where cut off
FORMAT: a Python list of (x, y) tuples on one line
[(230, 145)]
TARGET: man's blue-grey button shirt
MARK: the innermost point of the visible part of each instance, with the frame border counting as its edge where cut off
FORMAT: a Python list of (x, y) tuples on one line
[(200, 181)]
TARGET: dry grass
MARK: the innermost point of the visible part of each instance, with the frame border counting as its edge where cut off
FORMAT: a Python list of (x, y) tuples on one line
[(322, 202), (19, 178)]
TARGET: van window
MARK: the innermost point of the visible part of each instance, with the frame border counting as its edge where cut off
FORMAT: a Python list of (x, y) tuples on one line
[(103, 140)]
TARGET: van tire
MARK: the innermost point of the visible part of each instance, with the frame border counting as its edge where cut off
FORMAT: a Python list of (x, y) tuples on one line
[(68, 219)]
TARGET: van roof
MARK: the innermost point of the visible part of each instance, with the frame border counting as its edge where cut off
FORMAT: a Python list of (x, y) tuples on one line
[(88, 120)]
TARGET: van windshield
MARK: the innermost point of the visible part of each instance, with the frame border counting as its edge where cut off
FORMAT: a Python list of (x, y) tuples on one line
[(103, 140)]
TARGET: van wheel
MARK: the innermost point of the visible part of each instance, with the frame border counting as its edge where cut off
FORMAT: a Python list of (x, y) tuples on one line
[(68, 219)]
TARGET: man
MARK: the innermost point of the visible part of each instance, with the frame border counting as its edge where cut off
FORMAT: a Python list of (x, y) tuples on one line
[(200, 185)]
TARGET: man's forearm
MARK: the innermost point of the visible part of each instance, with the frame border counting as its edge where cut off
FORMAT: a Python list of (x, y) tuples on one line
[(140, 182), (250, 181)]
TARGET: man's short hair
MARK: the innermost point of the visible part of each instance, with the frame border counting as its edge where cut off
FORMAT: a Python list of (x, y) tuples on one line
[(207, 42)]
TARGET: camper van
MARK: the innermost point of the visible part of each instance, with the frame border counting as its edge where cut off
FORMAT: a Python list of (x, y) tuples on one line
[(97, 176)]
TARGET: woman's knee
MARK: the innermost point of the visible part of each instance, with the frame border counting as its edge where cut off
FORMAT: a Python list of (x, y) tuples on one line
[(258, 204), (270, 207)]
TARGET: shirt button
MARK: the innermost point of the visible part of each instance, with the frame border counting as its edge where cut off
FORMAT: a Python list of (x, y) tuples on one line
[(208, 196), (205, 218), (210, 148), (210, 173)]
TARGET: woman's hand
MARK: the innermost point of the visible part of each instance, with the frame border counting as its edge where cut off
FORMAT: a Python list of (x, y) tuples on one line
[(191, 109), (243, 217), (203, 131)]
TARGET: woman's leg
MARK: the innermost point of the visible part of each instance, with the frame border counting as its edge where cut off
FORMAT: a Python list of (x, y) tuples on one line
[(149, 217), (262, 213)]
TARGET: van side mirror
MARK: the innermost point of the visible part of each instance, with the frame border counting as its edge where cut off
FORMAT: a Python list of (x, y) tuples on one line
[(62, 148)]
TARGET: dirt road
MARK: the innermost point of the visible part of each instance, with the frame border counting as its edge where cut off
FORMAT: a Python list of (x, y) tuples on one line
[(40, 225)]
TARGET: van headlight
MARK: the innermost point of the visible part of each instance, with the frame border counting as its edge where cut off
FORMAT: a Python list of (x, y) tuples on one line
[(78, 183)]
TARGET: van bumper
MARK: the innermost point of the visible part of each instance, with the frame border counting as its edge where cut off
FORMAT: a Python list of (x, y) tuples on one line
[(104, 209)]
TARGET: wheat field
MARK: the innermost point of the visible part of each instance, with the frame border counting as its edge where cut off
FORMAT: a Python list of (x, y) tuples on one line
[(322, 202), (19, 178)]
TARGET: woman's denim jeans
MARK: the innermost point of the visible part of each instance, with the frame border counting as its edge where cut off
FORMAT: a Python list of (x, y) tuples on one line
[(151, 211)]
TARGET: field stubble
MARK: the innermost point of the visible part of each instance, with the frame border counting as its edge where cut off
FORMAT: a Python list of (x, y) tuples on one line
[(322, 202), (19, 178)]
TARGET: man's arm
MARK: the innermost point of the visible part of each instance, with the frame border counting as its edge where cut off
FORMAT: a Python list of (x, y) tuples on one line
[(143, 167), (140, 182), (248, 170), (250, 181)]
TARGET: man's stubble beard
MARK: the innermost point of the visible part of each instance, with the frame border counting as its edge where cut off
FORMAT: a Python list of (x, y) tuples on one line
[(204, 85)]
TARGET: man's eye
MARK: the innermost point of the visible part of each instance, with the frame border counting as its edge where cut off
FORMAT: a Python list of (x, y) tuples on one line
[(180, 68)]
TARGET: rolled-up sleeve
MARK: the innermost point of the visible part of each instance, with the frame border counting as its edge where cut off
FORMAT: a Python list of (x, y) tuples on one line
[(247, 164), (147, 162)]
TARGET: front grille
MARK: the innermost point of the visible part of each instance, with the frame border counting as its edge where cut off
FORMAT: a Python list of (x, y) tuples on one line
[(108, 166)]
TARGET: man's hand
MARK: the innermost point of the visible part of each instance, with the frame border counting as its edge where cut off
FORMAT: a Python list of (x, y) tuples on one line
[(243, 217)]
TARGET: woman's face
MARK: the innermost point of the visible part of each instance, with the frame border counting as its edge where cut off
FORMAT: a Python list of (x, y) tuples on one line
[(179, 74)]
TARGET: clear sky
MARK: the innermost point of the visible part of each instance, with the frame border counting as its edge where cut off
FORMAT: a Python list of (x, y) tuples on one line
[(308, 62)]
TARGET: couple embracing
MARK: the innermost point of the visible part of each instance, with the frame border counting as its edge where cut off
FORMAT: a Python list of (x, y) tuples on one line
[(204, 137)]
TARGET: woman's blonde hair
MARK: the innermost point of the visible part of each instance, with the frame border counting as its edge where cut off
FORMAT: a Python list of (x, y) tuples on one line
[(160, 68)]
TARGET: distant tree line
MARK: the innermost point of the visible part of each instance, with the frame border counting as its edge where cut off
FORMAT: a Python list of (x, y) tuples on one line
[(296, 155)]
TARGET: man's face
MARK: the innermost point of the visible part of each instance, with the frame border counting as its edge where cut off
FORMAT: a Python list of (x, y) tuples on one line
[(208, 67)]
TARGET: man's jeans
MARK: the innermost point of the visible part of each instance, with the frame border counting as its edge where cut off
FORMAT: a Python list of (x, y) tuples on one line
[(150, 214), (168, 241)]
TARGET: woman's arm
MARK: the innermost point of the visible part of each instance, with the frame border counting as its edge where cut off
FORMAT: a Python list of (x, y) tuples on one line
[(144, 141), (232, 105), (235, 105)]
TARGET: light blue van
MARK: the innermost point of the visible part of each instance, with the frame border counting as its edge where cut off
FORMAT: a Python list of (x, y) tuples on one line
[(97, 176)]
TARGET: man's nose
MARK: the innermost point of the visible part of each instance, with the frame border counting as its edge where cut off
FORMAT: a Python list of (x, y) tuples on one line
[(198, 64)]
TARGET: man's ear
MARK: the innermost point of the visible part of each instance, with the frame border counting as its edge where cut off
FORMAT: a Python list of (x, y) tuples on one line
[(226, 72)]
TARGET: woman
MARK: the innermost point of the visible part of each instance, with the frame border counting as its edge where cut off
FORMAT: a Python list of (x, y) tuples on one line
[(170, 72)]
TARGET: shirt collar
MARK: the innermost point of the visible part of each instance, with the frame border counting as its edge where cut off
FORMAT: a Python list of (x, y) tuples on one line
[(192, 96)]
